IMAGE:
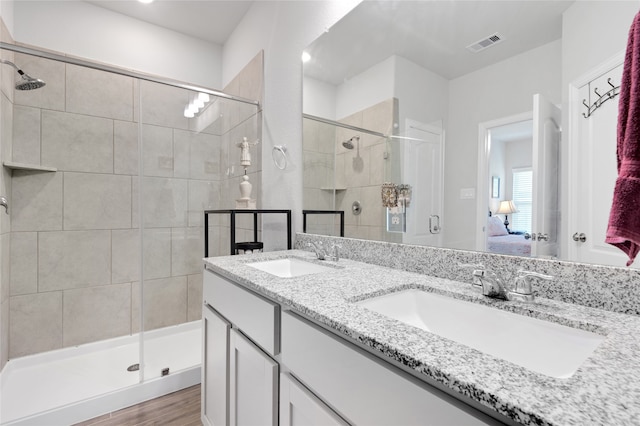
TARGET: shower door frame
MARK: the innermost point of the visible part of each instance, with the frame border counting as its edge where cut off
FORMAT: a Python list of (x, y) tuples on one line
[(127, 73), (142, 77)]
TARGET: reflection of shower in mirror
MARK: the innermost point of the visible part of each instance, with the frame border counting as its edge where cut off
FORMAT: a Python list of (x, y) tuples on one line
[(349, 142)]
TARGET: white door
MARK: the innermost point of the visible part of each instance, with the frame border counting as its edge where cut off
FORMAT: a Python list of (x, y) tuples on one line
[(299, 407), (422, 169), (253, 384), (546, 152), (594, 171), (215, 369)]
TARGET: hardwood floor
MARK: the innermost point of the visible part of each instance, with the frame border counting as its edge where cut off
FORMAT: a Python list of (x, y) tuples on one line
[(180, 408)]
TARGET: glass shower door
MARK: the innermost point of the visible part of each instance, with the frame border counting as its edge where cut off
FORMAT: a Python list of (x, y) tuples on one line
[(185, 170)]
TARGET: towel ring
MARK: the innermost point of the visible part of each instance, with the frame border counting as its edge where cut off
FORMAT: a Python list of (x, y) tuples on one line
[(279, 155)]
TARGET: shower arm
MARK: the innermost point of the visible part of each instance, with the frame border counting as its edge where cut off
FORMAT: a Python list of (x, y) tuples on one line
[(4, 61)]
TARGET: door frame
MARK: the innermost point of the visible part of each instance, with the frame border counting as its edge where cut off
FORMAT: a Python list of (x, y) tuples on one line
[(483, 179)]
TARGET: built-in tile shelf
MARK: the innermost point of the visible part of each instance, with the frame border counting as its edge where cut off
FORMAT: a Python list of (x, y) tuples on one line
[(327, 188), (24, 166)]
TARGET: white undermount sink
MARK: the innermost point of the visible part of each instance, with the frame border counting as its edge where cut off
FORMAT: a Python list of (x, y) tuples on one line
[(290, 267), (541, 346)]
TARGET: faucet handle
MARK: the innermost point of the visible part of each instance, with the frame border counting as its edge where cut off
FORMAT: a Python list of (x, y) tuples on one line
[(523, 289), (478, 272), (336, 252), (318, 247)]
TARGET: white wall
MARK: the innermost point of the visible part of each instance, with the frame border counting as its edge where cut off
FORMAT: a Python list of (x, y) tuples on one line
[(497, 91), (82, 29), (282, 30), (426, 102), (370, 87), (319, 98), (6, 12), (593, 32), (519, 154)]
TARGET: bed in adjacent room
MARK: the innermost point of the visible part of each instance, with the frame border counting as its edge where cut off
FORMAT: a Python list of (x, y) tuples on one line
[(501, 242)]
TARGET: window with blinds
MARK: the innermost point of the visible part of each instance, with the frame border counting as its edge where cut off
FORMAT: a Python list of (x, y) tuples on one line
[(523, 199)]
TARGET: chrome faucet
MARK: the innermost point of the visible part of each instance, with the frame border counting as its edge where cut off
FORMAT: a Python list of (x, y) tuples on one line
[(494, 286), (322, 252), (491, 284)]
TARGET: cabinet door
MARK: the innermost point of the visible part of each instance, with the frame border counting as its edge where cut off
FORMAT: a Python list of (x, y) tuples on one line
[(253, 384), (299, 407), (215, 369)]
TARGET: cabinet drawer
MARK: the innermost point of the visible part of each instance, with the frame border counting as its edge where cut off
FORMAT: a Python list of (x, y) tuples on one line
[(363, 389), (257, 317)]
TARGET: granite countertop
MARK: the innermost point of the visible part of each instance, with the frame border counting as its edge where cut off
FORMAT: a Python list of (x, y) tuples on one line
[(604, 390)]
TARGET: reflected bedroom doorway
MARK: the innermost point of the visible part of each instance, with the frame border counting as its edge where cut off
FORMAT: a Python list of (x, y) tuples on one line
[(508, 160)]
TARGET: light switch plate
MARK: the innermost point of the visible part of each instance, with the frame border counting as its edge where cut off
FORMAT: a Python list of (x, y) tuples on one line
[(467, 193)]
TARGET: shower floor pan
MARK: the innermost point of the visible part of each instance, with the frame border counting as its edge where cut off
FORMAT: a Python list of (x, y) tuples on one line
[(70, 385)]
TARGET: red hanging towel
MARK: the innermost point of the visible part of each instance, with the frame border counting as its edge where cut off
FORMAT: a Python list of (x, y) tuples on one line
[(624, 220)]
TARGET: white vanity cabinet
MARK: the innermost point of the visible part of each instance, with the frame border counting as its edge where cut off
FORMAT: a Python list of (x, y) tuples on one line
[(253, 388), (215, 368), (325, 379), (300, 407), (239, 378), (363, 389)]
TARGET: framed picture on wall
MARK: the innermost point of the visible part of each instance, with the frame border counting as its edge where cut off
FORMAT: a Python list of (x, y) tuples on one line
[(495, 187)]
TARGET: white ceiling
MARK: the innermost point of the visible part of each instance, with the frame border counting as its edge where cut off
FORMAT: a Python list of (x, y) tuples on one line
[(212, 21), (433, 34)]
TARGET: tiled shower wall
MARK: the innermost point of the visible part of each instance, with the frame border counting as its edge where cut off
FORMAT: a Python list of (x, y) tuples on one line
[(247, 84), (357, 174), (75, 232), (318, 175)]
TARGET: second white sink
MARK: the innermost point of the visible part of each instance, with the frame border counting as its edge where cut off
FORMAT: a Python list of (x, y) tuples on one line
[(541, 346), (290, 267)]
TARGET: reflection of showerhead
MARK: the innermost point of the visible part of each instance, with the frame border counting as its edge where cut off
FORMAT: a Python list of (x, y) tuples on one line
[(349, 142), (26, 82)]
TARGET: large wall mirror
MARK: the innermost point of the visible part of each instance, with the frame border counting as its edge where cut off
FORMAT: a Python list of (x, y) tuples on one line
[(491, 112)]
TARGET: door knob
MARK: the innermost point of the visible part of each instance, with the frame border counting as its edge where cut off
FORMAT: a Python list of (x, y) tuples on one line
[(4, 203), (579, 237)]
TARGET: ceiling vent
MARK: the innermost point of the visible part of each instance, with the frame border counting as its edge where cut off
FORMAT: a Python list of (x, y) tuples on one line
[(492, 40)]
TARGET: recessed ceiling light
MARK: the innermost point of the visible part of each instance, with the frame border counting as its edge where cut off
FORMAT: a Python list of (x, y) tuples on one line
[(146, 1), (306, 57)]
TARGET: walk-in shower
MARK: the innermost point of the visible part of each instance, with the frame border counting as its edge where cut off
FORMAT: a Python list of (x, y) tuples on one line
[(102, 246), (345, 164), (26, 82)]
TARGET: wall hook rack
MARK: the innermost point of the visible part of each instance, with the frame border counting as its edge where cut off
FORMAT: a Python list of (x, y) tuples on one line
[(610, 94)]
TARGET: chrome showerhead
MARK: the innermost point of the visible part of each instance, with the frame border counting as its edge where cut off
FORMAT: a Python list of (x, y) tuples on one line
[(26, 82), (349, 142), (29, 83)]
